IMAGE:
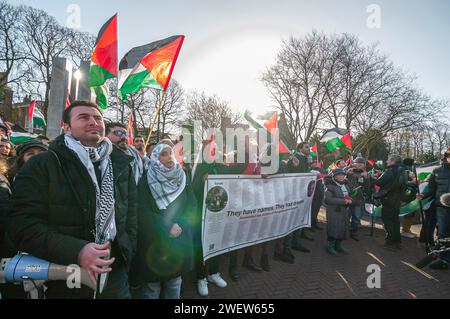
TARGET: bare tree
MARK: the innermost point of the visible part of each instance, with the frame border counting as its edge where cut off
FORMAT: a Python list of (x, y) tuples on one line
[(303, 72), (361, 82), (80, 47), (209, 110), (11, 44)]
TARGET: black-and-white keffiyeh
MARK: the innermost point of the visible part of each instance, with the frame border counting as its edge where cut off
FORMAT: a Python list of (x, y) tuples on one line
[(166, 184), (137, 164), (105, 223)]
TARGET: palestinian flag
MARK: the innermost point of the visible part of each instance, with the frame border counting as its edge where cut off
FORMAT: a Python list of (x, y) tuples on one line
[(314, 151), (337, 138), (149, 66), (104, 61), (267, 126), (35, 117), (5, 125), (19, 138), (423, 172)]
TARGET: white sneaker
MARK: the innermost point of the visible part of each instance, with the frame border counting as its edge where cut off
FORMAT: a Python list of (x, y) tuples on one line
[(217, 280), (202, 287), (408, 235)]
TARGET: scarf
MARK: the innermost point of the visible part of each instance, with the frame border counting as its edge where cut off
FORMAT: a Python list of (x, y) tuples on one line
[(166, 184), (343, 188), (137, 164), (105, 225)]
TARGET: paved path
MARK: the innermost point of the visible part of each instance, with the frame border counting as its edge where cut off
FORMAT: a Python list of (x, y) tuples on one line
[(319, 275)]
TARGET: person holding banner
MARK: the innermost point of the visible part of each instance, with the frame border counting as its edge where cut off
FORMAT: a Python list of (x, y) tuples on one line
[(337, 201), (319, 193), (166, 215), (209, 271), (300, 163)]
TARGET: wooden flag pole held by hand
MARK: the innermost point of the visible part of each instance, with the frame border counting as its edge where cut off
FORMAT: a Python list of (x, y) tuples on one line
[(161, 102)]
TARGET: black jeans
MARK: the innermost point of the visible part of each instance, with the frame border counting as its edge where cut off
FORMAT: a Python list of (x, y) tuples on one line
[(391, 221), (315, 208), (211, 267)]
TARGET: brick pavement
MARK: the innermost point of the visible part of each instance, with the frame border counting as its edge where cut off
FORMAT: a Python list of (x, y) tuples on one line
[(320, 275)]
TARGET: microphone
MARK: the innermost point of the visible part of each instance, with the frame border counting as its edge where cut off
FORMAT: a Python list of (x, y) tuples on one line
[(26, 267)]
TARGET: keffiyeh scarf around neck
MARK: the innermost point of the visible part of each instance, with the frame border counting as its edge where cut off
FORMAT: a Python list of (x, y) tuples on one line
[(137, 164), (105, 223), (166, 184)]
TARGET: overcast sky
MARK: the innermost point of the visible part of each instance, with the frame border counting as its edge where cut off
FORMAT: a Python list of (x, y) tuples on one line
[(230, 43)]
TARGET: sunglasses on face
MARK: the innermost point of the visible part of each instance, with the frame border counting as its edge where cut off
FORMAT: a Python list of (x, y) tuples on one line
[(120, 133)]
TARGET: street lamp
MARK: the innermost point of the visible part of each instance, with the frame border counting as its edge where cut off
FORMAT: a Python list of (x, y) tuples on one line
[(77, 75)]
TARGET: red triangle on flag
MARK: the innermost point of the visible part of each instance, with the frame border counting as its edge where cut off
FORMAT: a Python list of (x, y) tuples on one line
[(272, 123), (314, 149), (31, 112), (347, 140), (105, 51)]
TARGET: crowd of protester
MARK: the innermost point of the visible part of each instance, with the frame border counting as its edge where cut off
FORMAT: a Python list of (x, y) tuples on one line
[(90, 198)]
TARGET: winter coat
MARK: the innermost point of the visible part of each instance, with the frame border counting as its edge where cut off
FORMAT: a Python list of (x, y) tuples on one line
[(160, 257), (356, 181), (53, 206), (439, 184), (336, 211), (390, 186), (303, 166)]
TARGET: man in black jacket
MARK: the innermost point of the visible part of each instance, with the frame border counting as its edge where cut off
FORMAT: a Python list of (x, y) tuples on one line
[(299, 163), (391, 192), (319, 193), (76, 204), (439, 184)]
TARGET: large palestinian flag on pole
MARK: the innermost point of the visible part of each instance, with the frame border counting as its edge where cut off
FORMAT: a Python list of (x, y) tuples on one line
[(149, 66), (104, 61), (337, 138)]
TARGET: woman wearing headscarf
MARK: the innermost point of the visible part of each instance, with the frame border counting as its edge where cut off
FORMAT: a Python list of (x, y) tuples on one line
[(337, 201), (166, 218)]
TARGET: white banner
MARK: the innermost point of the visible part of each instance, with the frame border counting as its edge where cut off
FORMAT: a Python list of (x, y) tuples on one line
[(244, 210)]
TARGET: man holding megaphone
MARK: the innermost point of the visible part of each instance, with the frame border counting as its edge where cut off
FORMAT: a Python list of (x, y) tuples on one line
[(76, 204)]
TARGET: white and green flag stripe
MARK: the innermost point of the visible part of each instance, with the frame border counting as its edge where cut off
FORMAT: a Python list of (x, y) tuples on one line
[(19, 138), (132, 80), (332, 139), (38, 118)]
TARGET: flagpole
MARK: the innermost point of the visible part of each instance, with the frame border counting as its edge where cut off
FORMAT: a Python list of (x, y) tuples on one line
[(161, 101)]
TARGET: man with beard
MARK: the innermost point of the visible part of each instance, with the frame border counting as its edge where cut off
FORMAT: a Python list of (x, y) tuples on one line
[(118, 135), (139, 145)]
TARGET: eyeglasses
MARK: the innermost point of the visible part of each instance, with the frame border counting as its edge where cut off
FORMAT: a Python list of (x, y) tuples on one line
[(120, 133)]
